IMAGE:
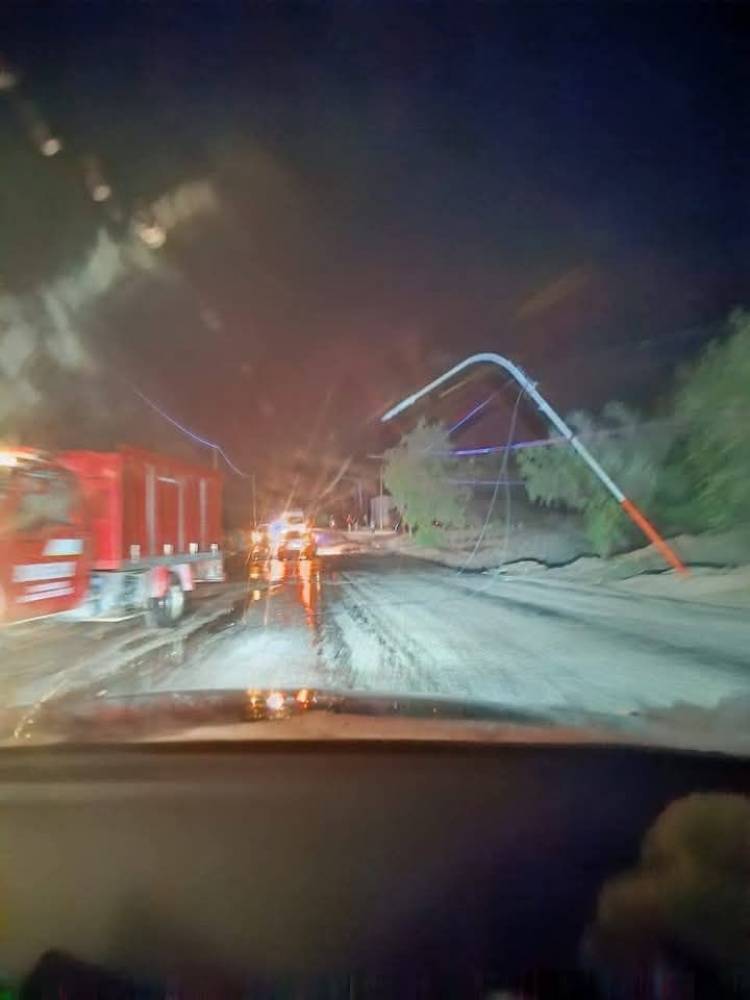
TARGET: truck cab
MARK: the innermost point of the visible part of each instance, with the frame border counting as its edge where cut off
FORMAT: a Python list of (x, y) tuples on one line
[(44, 558)]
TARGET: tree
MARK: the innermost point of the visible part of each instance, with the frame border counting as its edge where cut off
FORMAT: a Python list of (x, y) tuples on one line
[(712, 409), (420, 477), (555, 476), (693, 471)]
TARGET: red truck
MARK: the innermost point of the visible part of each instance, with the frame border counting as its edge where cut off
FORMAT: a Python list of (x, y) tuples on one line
[(105, 535)]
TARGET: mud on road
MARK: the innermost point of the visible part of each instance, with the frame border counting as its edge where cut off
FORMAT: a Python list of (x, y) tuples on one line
[(388, 624)]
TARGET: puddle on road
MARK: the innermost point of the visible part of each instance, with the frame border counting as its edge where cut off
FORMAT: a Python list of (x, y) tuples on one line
[(277, 595)]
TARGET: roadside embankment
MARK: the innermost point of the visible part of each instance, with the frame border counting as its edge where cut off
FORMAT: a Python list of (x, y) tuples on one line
[(718, 564)]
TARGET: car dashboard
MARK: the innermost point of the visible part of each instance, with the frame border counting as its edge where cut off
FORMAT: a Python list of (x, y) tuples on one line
[(347, 869)]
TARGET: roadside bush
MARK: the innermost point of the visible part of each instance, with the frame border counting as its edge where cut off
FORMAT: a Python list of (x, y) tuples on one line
[(555, 476), (419, 476), (712, 408)]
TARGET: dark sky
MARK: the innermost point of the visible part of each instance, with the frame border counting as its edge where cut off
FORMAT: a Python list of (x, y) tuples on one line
[(399, 185)]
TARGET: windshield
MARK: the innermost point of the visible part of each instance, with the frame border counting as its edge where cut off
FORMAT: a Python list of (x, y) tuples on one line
[(395, 355)]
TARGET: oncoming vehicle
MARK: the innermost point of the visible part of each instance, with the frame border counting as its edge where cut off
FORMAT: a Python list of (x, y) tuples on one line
[(297, 542), (291, 535), (294, 519)]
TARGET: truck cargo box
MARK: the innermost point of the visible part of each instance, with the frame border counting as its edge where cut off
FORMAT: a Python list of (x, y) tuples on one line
[(146, 508)]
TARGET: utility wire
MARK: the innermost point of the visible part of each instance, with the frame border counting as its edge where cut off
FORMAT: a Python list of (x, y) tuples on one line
[(548, 441), (191, 434), (502, 475)]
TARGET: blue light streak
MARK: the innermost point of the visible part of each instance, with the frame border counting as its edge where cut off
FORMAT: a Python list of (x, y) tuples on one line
[(538, 443), (191, 434), (471, 413), (494, 449), (487, 482)]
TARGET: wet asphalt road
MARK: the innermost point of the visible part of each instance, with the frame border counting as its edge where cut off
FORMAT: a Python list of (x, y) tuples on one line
[(389, 624), (393, 625)]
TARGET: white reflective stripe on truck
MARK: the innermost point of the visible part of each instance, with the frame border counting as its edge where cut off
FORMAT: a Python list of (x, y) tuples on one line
[(43, 571), (45, 592)]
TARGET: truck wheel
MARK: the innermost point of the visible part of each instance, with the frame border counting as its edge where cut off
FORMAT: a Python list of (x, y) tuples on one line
[(170, 607)]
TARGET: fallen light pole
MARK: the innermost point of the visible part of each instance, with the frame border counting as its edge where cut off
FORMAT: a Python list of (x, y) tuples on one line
[(529, 387)]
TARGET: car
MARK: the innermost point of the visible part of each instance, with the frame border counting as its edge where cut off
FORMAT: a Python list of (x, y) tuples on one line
[(296, 542), (294, 519), (291, 533)]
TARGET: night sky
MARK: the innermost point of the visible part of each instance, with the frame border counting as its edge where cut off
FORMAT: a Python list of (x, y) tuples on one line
[(398, 185)]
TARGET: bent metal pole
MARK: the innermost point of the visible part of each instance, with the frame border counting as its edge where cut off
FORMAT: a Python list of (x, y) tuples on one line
[(529, 387)]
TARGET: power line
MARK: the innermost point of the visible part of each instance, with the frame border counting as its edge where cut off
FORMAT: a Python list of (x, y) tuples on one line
[(500, 480), (542, 442), (486, 482), (191, 434), (471, 413)]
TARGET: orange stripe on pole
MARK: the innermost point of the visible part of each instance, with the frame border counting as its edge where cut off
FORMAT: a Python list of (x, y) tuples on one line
[(653, 535)]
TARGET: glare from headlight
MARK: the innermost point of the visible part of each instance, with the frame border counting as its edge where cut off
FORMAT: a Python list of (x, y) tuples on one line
[(275, 701)]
